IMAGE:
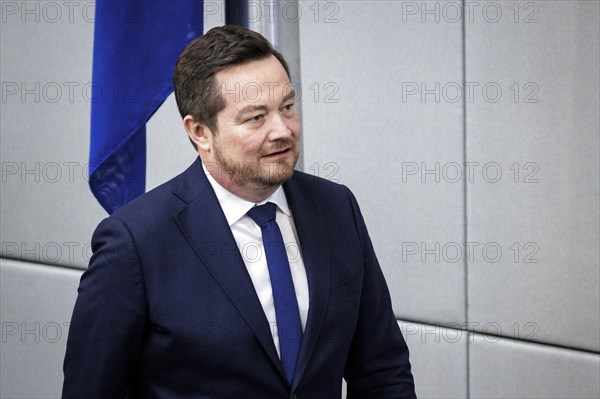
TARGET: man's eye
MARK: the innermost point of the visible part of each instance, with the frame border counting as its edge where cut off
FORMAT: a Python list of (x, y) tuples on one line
[(288, 107), (256, 118)]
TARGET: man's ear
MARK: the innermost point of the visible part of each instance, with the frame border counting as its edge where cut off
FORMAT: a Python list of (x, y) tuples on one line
[(198, 133)]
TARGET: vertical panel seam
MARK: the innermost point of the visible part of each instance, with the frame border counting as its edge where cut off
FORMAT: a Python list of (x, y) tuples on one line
[(465, 216)]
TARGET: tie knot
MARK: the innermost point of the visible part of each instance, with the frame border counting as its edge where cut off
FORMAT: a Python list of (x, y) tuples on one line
[(263, 213)]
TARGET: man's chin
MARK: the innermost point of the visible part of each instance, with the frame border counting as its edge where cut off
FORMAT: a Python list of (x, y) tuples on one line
[(274, 174)]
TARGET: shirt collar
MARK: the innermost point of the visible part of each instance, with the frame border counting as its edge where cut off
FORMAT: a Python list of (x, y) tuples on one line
[(235, 207)]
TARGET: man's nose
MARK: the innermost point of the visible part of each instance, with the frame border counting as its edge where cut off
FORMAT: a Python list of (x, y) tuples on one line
[(278, 128)]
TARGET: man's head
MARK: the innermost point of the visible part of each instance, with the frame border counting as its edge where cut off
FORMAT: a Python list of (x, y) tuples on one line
[(237, 103), (196, 90)]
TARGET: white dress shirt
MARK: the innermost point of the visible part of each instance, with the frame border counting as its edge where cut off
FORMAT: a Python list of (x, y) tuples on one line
[(248, 237)]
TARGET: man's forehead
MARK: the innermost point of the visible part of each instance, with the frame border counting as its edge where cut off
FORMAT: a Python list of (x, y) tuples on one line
[(263, 79), (264, 69)]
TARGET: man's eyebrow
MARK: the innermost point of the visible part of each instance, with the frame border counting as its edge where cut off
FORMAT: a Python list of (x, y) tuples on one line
[(254, 107), (291, 94), (251, 108)]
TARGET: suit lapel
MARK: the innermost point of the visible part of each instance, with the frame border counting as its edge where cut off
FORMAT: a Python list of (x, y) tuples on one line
[(206, 229), (313, 237)]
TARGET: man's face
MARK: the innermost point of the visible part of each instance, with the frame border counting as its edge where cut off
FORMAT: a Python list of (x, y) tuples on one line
[(256, 145)]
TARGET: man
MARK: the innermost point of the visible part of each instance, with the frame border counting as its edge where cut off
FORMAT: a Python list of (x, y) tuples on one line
[(192, 293)]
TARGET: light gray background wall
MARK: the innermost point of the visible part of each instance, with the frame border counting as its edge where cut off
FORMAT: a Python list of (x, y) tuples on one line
[(397, 96)]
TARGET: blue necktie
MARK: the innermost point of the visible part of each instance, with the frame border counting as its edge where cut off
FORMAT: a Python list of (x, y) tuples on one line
[(289, 326)]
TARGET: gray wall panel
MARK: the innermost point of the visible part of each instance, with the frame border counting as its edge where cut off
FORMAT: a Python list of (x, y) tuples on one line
[(549, 132), (502, 368), (361, 128), (48, 213), (438, 356), (35, 308)]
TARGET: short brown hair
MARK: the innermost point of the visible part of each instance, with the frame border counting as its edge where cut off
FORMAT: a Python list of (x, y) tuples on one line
[(196, 89)]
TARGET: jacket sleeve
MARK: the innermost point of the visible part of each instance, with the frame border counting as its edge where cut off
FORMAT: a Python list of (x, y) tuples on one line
[(378, 366), (108, 320)]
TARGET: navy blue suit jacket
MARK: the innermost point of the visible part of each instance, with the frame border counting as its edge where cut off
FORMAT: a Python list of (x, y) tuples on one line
[(167, 309)]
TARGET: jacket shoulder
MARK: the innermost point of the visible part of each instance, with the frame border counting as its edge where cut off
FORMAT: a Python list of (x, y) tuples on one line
[(319, 185), (157, 207)]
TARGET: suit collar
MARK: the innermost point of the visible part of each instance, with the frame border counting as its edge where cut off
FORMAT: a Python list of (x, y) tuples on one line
[(191, 183), (235, 207)]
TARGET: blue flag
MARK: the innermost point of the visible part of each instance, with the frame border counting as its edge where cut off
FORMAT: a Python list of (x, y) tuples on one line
[(136, 46)]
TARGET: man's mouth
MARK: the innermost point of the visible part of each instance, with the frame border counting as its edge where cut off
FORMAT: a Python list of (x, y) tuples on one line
[(277, 154)]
